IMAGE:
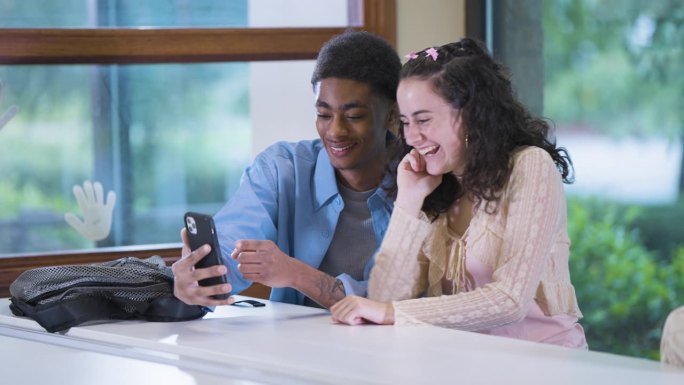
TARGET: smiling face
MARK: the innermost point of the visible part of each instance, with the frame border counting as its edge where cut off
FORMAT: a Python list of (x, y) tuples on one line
[(432, 126), (352, 122)]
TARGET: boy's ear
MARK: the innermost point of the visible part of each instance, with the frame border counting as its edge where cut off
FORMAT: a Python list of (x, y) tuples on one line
[(393, 119)]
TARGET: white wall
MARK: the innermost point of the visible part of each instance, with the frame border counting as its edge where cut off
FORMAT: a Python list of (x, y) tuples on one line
[(426, 23), (281, 101)]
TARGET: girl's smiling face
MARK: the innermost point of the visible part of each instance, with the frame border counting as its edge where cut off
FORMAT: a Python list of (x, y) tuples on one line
[(432, 126)]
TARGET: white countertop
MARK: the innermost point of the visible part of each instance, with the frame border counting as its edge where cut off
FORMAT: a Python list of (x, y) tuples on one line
[(288, 344), (31, 362)]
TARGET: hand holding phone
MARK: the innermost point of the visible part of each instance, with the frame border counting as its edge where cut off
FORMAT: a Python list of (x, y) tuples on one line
[(201, 230)]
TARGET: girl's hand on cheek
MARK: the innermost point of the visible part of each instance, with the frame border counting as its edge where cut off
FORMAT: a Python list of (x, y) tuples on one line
[(414, 183)]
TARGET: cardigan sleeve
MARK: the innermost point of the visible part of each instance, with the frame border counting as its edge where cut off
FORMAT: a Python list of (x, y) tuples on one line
[(400, 269), (532, 204)]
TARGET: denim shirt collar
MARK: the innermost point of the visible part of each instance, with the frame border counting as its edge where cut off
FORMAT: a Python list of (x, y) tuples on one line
[(325, 181)]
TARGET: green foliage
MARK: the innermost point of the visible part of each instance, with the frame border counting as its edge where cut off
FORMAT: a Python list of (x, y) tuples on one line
[(615, 66), (660, 229), (623, 289)]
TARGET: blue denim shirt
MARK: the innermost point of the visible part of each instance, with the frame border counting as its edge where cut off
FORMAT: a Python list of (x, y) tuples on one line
[(289, 195)]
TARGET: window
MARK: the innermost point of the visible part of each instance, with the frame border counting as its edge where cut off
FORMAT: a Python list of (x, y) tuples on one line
[(154, 101), (612, 87)]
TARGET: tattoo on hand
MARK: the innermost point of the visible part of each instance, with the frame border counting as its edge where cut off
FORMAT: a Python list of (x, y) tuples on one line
[(337, 288), (330, 291)]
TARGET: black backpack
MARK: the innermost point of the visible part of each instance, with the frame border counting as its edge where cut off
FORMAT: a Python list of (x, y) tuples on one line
[(59, 297)]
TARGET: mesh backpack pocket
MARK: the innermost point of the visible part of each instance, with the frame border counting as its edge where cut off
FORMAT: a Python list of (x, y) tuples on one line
[(59, 297)]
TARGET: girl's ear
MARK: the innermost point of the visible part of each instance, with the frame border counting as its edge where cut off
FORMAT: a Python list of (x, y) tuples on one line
[(457, 121)]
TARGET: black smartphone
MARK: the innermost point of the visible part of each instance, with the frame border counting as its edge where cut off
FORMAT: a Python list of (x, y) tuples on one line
[(200, 231)]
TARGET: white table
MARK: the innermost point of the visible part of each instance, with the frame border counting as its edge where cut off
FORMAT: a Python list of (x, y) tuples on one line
[(287, 344), (32, 362)]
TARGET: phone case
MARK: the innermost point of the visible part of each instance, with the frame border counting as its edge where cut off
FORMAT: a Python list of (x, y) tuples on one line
[(200, 231)]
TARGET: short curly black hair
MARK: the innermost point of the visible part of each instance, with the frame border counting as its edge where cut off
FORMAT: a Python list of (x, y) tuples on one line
[(360, 56)]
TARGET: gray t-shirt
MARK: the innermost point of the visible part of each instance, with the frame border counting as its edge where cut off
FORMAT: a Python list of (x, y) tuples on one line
[(354, 240)]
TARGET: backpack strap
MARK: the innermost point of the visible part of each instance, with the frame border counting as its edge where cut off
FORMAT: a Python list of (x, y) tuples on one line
[(171, 309), (61, 315)]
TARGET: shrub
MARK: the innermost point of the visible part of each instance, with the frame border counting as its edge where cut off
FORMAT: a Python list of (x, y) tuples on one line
[(623, 289)]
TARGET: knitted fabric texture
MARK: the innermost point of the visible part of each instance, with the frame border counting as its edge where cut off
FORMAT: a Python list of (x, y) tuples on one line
[(524, 242)]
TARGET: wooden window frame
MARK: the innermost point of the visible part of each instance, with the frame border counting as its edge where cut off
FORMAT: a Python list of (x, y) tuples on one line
[(167, 45), (186, 45)]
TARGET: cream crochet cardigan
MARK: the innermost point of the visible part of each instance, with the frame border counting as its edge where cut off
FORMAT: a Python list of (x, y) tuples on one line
[(524, 242)]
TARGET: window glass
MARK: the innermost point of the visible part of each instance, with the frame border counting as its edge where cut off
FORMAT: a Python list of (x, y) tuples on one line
[(178, 13), (614, 90), (165, 138)]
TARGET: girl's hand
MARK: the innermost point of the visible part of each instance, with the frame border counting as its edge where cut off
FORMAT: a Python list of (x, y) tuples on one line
[(354, 310), (414, 183)]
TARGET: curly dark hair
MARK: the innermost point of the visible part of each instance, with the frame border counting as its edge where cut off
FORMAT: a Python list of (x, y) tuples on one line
[(495, 122), (360, 56)]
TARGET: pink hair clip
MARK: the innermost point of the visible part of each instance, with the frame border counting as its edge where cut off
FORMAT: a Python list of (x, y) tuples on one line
[(411, 55), (432, 52)]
